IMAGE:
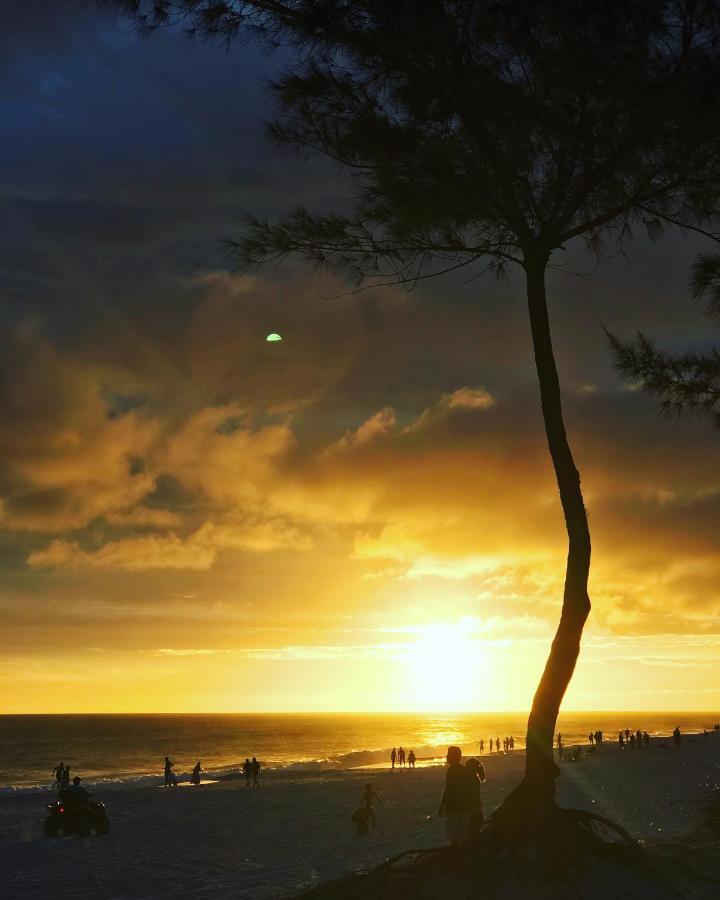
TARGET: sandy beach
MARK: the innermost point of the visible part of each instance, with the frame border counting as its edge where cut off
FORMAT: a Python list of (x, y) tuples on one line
[(223, 840)]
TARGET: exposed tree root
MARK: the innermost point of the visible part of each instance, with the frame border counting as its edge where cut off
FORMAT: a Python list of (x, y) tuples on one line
[(569, 854)]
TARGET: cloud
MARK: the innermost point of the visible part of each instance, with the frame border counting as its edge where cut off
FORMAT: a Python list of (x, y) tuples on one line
[(379, 425)]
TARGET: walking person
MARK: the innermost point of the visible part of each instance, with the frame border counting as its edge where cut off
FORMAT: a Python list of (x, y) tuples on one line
[(393, 757), (411, 760), (170, 779), (57, 775), (255, 772), (247, 771)]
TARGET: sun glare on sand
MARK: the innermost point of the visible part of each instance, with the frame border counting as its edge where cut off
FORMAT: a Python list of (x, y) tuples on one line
[(446, 665)]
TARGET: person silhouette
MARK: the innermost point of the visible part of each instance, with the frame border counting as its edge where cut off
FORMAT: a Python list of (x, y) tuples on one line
[(476, 818), (255, 772), (393, 757), (65, 779), (195, 777), (457, 799), (170, 780), (76, 795), (401, 758), (411, 759), (57, 775), (247, 771)]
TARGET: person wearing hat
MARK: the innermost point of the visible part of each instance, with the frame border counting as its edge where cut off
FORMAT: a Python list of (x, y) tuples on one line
[(77, 795)]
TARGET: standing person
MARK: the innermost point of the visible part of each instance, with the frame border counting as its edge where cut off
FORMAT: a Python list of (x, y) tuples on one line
[(393, 757), (646, 739), (368, 799), (482, 745), (255, 772), (401, 758), (457, 798), (65, 779), (195, 777), (591, 738), (247, 771), (57, 775), (411, 760), (497, 744), (170, 780), (677, 737), (476, 772)]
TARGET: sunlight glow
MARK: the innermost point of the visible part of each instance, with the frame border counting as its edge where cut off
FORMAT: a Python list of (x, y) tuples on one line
[(449, 669)]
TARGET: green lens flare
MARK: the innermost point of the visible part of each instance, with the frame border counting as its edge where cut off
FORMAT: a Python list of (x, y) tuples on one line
[(273, 337)]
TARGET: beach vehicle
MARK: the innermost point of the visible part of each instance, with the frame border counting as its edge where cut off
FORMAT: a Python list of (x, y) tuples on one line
[(76, 819)]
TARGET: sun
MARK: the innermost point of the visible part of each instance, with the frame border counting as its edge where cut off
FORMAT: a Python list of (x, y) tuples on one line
[(448, 669)]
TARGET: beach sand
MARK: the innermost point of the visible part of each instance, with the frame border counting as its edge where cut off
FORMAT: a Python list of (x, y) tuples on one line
[(223, 840)]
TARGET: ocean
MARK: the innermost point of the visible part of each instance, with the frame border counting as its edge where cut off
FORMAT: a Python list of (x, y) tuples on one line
[(127, 750)]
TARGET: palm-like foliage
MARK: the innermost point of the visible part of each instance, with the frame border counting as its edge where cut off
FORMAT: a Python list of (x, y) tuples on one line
[(682, 381)]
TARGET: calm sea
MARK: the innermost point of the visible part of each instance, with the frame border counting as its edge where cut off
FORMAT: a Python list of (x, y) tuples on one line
[(129, 749)]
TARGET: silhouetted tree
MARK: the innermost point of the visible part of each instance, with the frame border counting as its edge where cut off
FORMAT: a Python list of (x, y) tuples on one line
[(489, 133), (681, 381)]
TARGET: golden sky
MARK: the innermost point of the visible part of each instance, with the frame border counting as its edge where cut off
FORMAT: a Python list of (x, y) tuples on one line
[(205, 521), (359, 517)]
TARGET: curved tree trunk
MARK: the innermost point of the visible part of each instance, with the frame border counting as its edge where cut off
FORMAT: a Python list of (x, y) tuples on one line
[(538, 786)]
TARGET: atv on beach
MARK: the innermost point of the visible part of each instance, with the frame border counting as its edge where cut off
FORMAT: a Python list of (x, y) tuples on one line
[(76, 819)]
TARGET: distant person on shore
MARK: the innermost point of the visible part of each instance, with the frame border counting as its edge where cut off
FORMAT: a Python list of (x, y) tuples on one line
[(393, 757), (591, 738), (497, 744), (170, 779), (677, 737), (195, 777), (247, 771), (411, 760), (476, 818), (646, 739), (481, 745), (401, 758), (57, 775), (255, 772), (457, 799), (65, 779)]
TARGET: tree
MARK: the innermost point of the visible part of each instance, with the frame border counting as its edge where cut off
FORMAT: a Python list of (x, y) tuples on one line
[(681, 381), (489, 133)]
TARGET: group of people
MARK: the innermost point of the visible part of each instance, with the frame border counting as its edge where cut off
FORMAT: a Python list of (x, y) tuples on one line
[(72, 792), (171, 778), (595, 738), (636, 740), (399, 758), (251, 770), (460, 803), (61, 774), (508, 744)]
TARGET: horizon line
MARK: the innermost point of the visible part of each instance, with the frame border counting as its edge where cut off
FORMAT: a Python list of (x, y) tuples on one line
[(362, 712)]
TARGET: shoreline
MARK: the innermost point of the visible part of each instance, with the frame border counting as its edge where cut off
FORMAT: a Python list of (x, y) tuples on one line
[(223, 840)]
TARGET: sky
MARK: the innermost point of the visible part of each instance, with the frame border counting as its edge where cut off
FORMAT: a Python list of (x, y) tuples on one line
[(362, 516)]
